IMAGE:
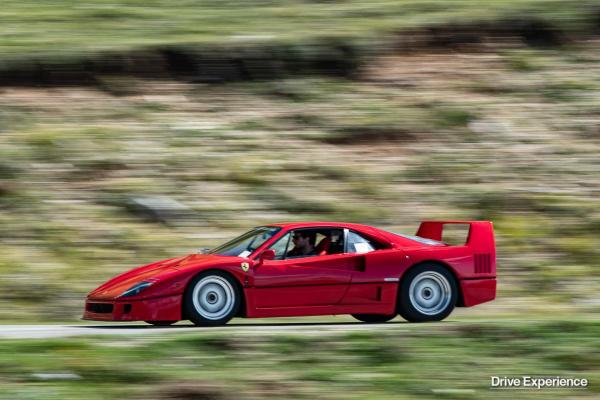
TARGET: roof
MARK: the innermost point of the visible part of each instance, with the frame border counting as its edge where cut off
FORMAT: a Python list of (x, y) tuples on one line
[(367, 229), (310, 224)]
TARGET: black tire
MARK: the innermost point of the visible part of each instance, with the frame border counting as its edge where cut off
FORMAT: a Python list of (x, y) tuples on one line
[(218, 299), (374, 318), (160, 323), (431, 282)]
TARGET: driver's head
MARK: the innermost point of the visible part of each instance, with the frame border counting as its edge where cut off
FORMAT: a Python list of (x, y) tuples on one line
[(303, 238)]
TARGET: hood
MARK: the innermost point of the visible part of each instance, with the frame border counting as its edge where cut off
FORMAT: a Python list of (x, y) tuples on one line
[(157, 271)]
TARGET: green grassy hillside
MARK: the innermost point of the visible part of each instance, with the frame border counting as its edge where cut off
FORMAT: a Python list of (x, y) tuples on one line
[(70, 26), (471, 123), (508, 135)]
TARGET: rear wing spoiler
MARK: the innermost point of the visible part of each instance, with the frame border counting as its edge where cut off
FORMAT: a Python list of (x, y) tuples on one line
[(480, 237)]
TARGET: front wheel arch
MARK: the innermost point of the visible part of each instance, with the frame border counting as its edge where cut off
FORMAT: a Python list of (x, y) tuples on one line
[(242, 310)]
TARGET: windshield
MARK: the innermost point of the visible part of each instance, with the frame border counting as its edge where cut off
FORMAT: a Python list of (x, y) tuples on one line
[(244, 245)]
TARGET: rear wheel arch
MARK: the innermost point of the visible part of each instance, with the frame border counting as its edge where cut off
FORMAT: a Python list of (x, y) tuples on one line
[(460, 302), (428, 291)]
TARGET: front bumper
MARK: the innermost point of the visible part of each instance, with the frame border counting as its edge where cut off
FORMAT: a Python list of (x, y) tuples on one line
[(166, 308)]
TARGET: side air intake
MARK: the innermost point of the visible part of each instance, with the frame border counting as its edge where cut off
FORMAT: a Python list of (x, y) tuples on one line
[(483, 263)]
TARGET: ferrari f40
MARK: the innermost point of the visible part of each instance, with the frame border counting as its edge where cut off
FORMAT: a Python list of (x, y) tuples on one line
[(310, 268)]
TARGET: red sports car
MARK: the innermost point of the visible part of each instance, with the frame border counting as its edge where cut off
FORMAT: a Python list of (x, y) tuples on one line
[(310, 268)]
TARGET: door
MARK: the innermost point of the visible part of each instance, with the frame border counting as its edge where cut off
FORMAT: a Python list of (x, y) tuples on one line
[(317, 279), (300, 282)]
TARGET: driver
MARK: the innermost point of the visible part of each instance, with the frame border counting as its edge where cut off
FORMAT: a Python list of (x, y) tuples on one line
[(304, 244)]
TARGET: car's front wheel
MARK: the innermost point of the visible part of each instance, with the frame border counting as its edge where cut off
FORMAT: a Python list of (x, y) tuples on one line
[(212, 299), (428, 292), (373, 318)]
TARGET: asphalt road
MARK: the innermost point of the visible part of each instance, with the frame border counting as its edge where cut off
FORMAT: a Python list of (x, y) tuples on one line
[(54, 331)]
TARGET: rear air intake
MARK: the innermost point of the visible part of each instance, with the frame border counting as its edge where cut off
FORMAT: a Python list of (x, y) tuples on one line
[(483, 263)]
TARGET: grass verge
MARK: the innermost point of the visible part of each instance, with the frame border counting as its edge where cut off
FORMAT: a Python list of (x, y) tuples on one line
[(451, 360)]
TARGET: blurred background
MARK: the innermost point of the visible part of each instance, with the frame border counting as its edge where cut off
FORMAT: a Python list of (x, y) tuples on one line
[(132, 131)]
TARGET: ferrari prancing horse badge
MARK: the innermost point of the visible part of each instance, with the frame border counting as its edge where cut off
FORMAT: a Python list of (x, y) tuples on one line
[(245, 266)]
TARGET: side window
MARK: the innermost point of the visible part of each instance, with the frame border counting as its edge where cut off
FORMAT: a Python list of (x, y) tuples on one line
[(281, 246), (358, 244), (311, 242), (302, 243), (329, 241)]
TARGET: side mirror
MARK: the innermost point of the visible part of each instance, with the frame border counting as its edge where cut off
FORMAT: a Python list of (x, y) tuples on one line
[(268, 254), (203, 250)]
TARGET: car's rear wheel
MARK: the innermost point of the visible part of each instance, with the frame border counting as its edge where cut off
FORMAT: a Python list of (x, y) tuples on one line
[(428, 292), (373, 318), (160, 323), (212, 299)]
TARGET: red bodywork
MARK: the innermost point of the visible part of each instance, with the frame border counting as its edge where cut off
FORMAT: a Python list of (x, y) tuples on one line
[(347, 283)]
